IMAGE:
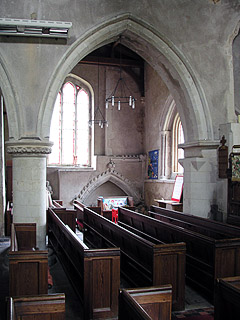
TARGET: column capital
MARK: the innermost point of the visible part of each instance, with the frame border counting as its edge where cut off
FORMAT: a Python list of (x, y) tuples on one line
[(29, 147), (197, 148)]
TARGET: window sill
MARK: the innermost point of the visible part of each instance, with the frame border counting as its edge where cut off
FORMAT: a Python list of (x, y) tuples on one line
[(70, 168), (163, 180)]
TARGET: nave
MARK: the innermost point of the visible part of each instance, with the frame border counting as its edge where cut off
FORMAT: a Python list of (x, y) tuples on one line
[(195, 304)]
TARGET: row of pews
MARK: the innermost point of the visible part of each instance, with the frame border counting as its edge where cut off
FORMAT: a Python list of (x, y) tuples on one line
[(150, 252), (28, 278), (212, 249), (212, 255), (93, 275), (145, 261), (93, 268)]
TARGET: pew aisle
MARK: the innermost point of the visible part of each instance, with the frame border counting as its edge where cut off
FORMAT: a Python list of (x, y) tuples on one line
[(61, 283)]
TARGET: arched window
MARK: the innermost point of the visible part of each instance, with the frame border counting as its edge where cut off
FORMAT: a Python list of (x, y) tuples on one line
[(177, 138), (70, 131)]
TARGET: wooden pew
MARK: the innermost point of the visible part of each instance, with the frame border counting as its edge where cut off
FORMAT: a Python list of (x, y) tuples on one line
[(37, 307), (227, 298), (143, 262), (207, 258), (146, 303), (79, 207), (68, 216), (222, 228), (28, 266), (94, 274), (207, 230)]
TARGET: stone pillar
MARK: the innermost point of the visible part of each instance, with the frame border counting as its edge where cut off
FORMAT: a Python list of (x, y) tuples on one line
[(165, 166), (29, 184), (2, 175), (200, 177)]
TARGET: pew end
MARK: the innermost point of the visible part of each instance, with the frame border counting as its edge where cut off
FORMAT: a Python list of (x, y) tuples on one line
[(146, 303), (28, 266), (50, 306)]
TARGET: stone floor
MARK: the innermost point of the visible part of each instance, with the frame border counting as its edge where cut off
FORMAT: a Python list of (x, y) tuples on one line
[(62, 285)]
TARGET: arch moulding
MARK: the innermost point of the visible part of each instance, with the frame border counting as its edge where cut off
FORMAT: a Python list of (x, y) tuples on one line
[(141, 32), (114, 177)]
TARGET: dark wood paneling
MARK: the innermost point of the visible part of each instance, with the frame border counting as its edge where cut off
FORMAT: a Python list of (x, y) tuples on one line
[(227, 299), (94, 274), (42, 307), (143, 262), (145, 303)]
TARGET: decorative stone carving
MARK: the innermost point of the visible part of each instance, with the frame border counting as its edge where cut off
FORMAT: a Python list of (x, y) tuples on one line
[(29, 148), (113, 176), (111, 164), (138, 157)]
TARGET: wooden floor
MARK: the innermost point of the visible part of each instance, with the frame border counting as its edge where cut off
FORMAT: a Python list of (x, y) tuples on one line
[(193, 301)]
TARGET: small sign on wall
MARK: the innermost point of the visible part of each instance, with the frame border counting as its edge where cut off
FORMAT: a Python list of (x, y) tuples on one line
[(153, 164), (177, 189)]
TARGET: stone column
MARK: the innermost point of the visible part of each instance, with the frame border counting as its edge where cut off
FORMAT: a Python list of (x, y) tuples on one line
[(165, 155), (200, 177), (2, 170), (29, 184)]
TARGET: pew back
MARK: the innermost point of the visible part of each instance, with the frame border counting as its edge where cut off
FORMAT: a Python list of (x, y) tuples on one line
[(40, 307), (79, 207), (146, 303), (94, 274), (143, 262), (207, 258), (223, 228), (227, 299), (28, 267), (23, 236), (68, 216)]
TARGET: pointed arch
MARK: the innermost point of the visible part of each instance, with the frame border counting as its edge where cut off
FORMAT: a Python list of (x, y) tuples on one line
[(11, 102), (159, 52), (114, 177)]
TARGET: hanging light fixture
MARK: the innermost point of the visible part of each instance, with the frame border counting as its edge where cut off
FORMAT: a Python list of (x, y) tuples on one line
[(121, 89), (101, 122)]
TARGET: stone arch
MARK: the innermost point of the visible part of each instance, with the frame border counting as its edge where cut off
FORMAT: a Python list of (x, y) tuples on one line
[(169, 112), (159, 52), (11, 102), (114, 177)]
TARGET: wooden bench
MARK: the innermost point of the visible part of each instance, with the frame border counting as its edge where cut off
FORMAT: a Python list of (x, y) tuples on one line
[(94, 274), (208, 257), (146, 303), (28, 266), (79, 207), (143, 262), (227, 299), (206, 229), (37, 307), (68, 216), (219, 227)]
